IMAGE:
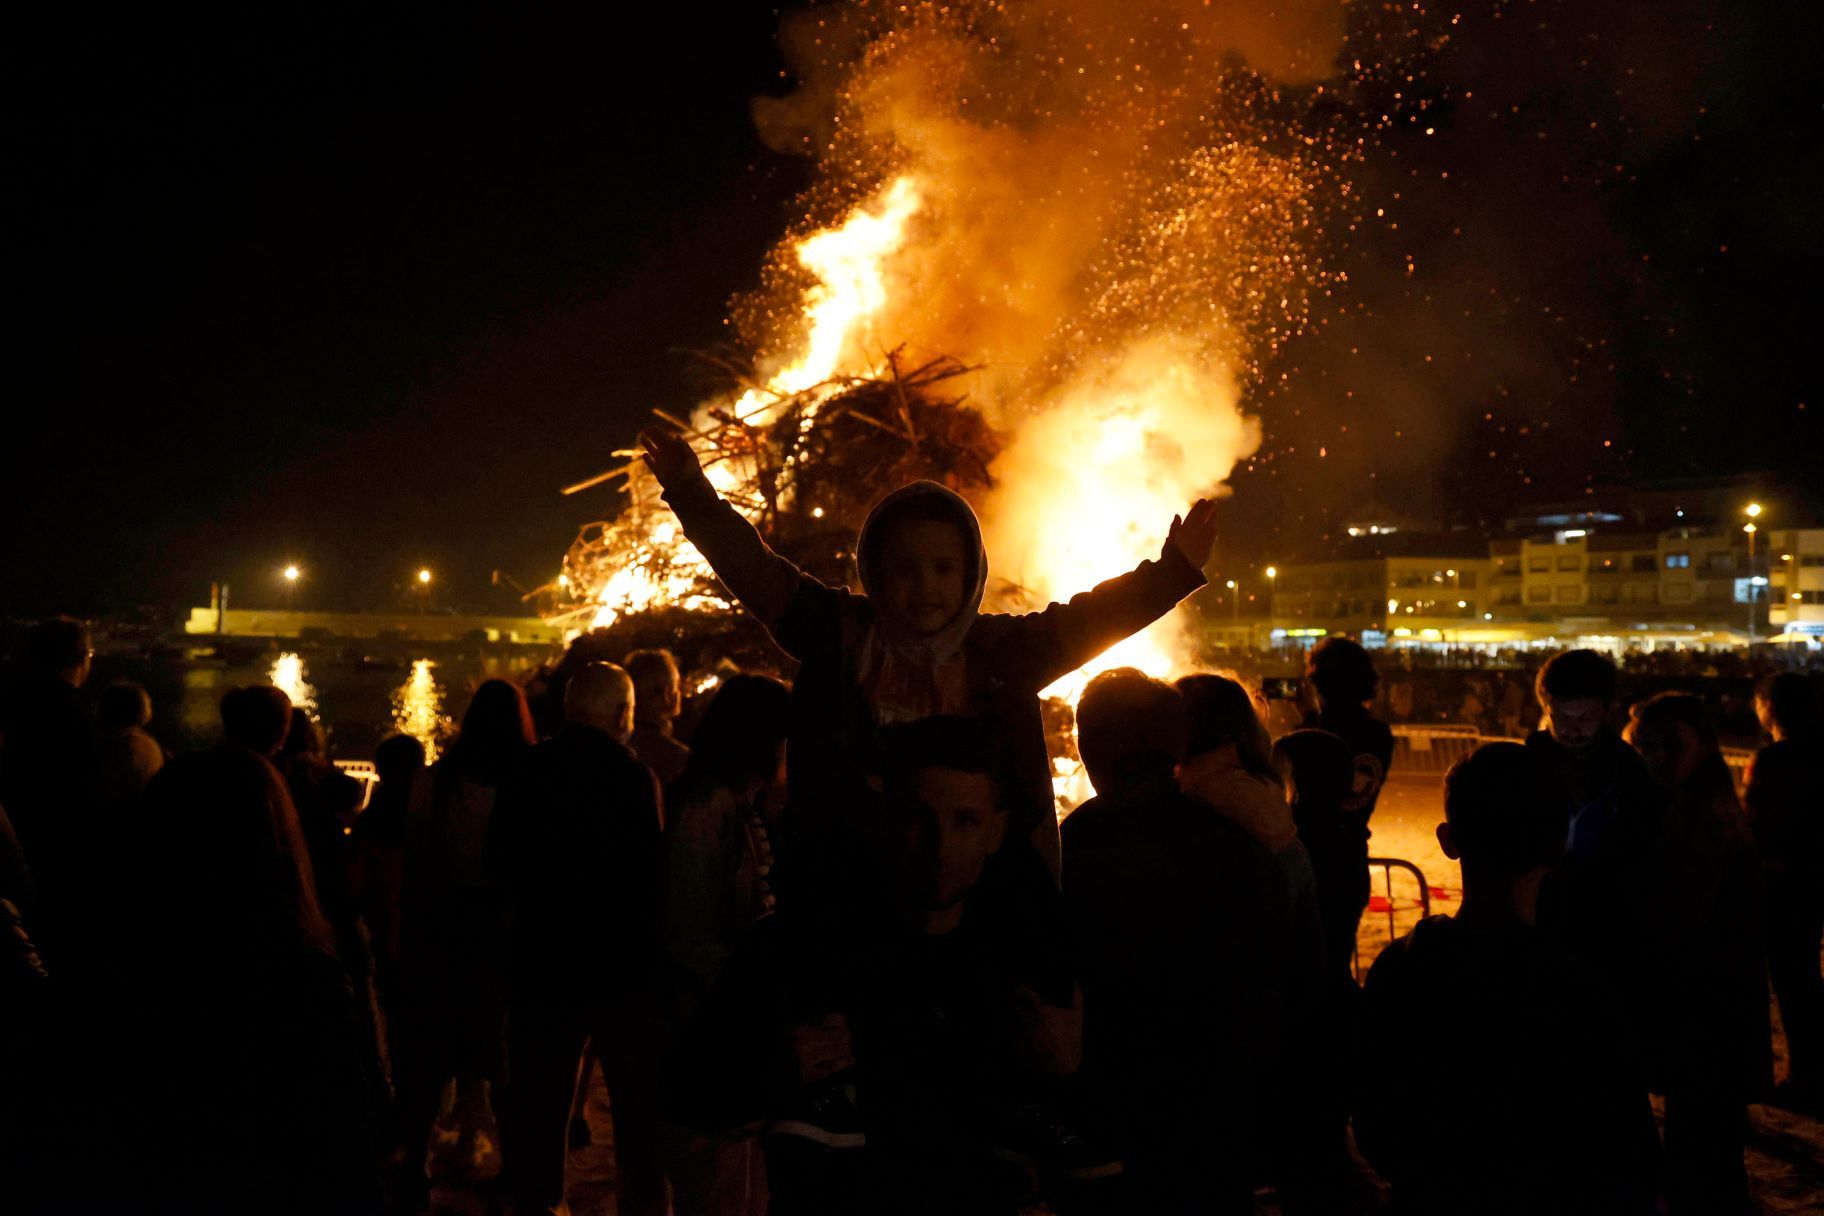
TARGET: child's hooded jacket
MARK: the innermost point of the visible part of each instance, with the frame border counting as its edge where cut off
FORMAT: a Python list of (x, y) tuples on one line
[(855, 677)]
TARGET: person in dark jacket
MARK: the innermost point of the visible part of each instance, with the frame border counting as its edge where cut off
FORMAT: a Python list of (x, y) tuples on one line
[(47, 763), (1498, 1083), (1706, 1024), (1595, 904), (939, 1036), (1320, 772), (576, 837), (255, 1059), (453, 928), (1184, 929), (916, 643), (1785, 804), (1344, 678)]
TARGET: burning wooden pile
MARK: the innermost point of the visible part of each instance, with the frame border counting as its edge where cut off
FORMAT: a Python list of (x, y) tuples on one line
[(804, 467)]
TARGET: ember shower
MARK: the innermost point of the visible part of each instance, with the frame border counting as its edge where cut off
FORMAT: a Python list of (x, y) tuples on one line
[(1110, 211)]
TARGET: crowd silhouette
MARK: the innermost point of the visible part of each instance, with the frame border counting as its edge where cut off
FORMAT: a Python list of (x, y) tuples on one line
[(830, 951)]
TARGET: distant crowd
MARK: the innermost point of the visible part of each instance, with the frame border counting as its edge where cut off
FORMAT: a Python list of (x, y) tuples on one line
[(832, 953)]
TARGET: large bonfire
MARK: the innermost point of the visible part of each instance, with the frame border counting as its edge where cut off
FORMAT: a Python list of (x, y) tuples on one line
[(1050, 248)]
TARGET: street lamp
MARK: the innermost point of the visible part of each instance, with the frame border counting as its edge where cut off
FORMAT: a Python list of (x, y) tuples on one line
[(1235, 588), (1753, 511), (290, 574), (424, 577)]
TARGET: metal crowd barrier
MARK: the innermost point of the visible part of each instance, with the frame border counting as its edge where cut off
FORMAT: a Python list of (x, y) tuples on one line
[(1431, 750), (1394, 906)]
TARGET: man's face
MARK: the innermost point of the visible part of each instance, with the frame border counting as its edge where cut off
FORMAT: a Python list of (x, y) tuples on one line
[(1576, 724), (921, 575), (956, 824), (666, 700)]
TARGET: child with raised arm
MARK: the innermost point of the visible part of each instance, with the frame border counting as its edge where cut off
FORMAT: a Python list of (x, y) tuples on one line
[(916, 644)]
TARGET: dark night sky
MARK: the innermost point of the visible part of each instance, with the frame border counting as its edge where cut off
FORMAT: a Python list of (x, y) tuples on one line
[(364, 290)]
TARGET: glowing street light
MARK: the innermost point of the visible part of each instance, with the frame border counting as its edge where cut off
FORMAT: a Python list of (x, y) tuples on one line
[(1753, 511), (290, 574), (424, 577), (1272, 571)]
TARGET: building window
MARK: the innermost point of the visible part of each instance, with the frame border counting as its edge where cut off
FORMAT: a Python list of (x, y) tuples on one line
[(1720, 562), (1605, 595), (1509, 595), (1678, 561), (1538, 595), (1570, 561), (1644, 563), (1647, 593), (1570, 595), (1811, 559), (1467, 580), (1538, 563)]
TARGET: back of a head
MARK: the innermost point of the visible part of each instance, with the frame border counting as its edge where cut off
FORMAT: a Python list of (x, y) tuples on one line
[(655, 680), (1130, 728), (1789, 701), (1668, 711), (1221, 712), (57, 644), (947, 741), (123, 704), (600, 695), (398, 757), (1343, 673), (1322, 769), (1507, 811), (739, 738), (496, 731), (227, 849), (1576, 675), (256, 717), (304, 737)]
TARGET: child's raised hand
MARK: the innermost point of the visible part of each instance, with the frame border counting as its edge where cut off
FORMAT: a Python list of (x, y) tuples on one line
[(669, 456), (1194, 533)]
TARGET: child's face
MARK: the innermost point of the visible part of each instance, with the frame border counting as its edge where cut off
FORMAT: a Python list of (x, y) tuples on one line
[(922, 574)]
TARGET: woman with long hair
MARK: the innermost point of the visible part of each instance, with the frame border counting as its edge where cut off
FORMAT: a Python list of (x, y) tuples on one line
[(719, 861), (254, 1057), (453, 930)]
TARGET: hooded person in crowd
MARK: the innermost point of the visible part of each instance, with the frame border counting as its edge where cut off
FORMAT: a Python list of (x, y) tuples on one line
[(916, 642)]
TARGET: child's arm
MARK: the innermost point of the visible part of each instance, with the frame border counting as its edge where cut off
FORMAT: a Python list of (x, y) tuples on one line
[(1065, 636), (765, 583)]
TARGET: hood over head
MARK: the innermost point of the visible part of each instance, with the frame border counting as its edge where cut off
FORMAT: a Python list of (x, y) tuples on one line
[(928, 500)]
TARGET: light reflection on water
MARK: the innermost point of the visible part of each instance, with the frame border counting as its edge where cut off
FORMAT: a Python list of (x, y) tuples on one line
[(418, 707), (288, 676)]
